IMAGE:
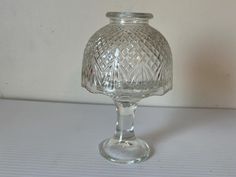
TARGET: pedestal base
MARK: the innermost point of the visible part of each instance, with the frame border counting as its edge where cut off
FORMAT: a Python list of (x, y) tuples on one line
[(125, 151)]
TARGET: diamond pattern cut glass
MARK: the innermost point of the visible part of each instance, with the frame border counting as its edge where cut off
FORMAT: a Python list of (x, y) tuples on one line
[(127, 60)]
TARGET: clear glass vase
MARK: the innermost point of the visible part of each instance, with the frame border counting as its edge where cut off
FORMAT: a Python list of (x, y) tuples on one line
[(127, 60)]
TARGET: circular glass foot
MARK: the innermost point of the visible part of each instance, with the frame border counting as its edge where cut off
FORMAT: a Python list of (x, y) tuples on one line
[(125, 151)]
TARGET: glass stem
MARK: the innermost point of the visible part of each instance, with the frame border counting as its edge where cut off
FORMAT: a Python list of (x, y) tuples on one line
[(125, 120)]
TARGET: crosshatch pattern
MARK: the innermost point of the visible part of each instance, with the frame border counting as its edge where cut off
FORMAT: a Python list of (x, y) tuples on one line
[(127, 57)]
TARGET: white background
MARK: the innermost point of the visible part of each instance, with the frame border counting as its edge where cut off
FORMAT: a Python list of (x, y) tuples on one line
[(42, 43)]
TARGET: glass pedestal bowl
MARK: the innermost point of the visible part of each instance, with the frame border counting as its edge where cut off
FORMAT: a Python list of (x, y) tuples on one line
[(127, 60)]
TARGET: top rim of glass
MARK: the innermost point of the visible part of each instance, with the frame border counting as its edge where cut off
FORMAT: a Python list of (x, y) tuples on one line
[(129, 15)]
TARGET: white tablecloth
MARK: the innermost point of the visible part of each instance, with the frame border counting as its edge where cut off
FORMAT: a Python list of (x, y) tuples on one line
[(46, 139)]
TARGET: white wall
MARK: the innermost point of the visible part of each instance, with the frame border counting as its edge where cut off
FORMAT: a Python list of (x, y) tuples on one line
[(42, 42)]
